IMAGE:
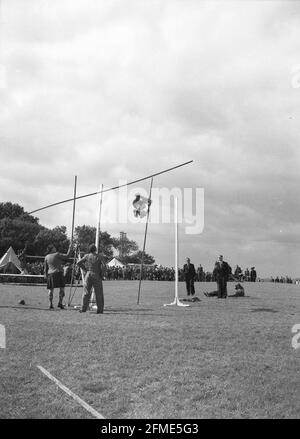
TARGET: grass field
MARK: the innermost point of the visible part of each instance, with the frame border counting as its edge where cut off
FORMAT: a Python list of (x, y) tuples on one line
[(216, 359)]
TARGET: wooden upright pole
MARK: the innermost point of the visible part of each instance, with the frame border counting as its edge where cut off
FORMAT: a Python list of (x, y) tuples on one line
[(97, 241), (74, 205), (144, 246)]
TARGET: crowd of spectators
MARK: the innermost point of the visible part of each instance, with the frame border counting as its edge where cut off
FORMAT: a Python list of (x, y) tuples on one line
[(35, 268), (282, 280), (153, 272), (246, 275), (128, 272)]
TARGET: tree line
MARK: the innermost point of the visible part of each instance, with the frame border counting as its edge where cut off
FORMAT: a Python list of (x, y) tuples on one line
[(19, 229)]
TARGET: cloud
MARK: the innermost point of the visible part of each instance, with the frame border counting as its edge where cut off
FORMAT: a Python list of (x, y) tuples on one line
[(114, 90)]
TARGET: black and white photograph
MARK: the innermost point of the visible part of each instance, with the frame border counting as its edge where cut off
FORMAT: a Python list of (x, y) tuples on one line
[(149, 213)]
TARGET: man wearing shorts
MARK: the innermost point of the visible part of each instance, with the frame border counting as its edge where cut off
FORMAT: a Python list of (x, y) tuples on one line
[(54, 273)]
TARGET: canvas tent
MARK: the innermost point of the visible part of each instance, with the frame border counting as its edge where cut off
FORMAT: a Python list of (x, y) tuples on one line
[(10, 263), (115, 263)]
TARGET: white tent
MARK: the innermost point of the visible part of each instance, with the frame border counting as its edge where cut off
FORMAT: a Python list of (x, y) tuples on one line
[(115, 263), (10, 263)]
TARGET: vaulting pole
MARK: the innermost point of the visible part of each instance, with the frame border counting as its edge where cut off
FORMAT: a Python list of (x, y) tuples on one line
[(76, 258), (144, 246), (176, 300)]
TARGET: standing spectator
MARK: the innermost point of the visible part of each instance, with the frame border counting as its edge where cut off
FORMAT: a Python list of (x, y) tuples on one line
[(189, 276), (253, 275), (247, 275), (208, 276), (92, 267), (54, 273), (238, 273), (221, 273), (22, 259), (200, 273)]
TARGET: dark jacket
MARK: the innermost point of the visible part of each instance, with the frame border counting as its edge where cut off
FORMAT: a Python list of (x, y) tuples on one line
[(253, 275), (222, 271), (91, 262), (189, 271)]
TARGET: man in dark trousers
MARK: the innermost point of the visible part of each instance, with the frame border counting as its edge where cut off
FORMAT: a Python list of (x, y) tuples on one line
[(189, 275), (221, 273), (91, 265)]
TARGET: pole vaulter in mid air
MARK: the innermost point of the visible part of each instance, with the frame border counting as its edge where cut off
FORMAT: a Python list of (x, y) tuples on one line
[(141, 208)]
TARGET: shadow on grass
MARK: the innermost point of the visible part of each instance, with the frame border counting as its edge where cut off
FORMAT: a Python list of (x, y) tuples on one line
[(113, 310), (264, 310), (134, 314), (24, 307)]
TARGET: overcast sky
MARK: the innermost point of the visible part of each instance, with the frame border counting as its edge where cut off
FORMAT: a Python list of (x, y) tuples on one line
[(117, 89)]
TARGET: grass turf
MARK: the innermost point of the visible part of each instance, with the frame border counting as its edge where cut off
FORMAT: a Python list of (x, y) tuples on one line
[(216, 359)]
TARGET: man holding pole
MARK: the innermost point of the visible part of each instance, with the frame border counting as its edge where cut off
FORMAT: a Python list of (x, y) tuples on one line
[(54, 273), (92, 270)]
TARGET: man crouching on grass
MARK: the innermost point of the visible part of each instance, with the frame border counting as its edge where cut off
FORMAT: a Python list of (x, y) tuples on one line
[(54, 273), (92, 268)]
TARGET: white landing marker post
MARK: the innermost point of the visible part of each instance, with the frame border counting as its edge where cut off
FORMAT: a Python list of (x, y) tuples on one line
[(176, 299), (97, 242)]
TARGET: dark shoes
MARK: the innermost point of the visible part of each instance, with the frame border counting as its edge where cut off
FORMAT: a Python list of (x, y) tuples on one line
[(99, 311), (60, 305)]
